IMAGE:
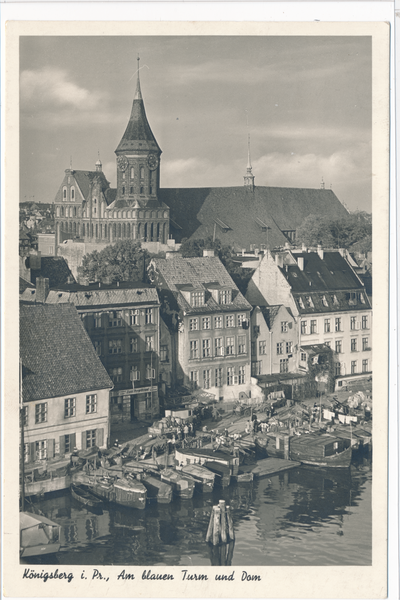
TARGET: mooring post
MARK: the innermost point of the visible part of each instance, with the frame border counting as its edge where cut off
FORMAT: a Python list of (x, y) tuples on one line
[(217, 524), (223, 522), (230, 523), (210, 526)]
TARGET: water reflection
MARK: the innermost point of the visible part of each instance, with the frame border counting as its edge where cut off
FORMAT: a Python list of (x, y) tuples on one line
[(303, 516)]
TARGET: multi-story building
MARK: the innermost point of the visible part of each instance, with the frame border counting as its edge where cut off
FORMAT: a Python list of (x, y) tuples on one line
[(329, 302), (274, 342), (122, 321), (65, 388), (87, 208), (208, 319)]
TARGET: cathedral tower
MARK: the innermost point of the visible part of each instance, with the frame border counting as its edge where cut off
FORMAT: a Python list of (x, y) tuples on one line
[(138, 158)]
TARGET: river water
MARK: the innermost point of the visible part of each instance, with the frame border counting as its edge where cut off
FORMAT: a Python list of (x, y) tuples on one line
[(304, 516)]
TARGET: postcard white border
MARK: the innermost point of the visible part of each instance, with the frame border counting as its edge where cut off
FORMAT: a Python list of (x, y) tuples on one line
[(277, 582)]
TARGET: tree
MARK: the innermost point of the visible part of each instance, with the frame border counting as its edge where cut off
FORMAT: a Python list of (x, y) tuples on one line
[(226, 254), (123, 261), (334, 233)]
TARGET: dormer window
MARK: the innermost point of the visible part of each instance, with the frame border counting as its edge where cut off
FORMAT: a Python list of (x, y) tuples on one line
[(310, 303), (325, 301), (197, 298), (301, 303), (225, 297), (334, 299), (362, 299)]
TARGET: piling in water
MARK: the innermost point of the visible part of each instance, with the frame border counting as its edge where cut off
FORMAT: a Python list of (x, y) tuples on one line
[(220, 526)]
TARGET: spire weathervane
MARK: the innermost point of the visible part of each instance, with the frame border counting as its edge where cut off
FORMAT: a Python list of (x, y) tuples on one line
[(249, 177), (138, 93)]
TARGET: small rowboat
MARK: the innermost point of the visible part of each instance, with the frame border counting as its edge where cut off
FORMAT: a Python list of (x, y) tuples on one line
[(203, 478), (82, 494), (182, 486), (157, 490)]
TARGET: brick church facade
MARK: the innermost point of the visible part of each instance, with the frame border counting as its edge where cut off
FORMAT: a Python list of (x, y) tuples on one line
[(88, 209)]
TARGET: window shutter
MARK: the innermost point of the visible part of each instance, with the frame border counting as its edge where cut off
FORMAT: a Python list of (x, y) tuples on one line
[(83, 446), (72, 440), (50, 448), (100, 437), (62, 444)]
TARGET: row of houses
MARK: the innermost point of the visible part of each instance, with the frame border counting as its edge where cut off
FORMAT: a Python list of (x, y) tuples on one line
[(109, 353)]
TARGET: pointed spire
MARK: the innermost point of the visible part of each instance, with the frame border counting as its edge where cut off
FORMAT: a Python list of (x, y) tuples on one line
[(138, 93), (248, 155)]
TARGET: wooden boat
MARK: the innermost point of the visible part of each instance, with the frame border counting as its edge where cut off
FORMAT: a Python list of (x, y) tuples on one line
[(202, 455), (273, 465), (242, 477), (182, 485), (322, 450), (273, 444), (123, 491), (222, 472), (82, 494), (38, 536), (157, 490), (203, 478)]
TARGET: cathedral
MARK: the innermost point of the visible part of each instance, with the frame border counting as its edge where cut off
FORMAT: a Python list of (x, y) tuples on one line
[(88, 209), (245, 217)]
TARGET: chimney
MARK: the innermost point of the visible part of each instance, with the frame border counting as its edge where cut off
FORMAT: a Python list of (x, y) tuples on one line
[(320, 252), (287, 245), (42, 289), (300, 262), (279, 259), (208, 252), (303, 247)]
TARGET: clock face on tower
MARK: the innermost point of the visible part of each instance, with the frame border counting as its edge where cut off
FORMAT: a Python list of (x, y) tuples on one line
[(152, 161), (122, 163)]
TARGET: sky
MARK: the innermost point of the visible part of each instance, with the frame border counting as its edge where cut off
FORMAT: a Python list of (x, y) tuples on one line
[(305, 101)]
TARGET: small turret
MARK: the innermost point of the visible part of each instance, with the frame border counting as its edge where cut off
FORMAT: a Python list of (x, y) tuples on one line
[(99, 166)]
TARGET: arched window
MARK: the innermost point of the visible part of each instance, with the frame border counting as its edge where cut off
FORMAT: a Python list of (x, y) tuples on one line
[(141, 172), (105, 231), (128, 230), (94, 210), (142, 190), (123, 190), (74, 227), (163, 236), (78, 230), (62, 211), (114, 230), (91, 230), (123, 230), (73, 194), (70, 211), (74, 211), (95, 201), (145, 232), (132, 173), (97, 230), (70, 226), (64, 194), (87, 229), (139, 231), (158, 232), (151, 232), (58, 211), (119, 230), (131, 189)]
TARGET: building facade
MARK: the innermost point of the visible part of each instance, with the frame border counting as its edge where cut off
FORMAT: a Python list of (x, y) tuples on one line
[(211, 330), (329, 302), (87, 208), (64, 387), (123, 325), (274, 346)]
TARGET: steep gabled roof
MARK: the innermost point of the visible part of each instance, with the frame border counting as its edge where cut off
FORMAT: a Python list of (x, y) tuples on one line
[(96, 297), (57, 355), (270, 313), (183, 274), (331, 273), (55, 269), (254, 217)]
